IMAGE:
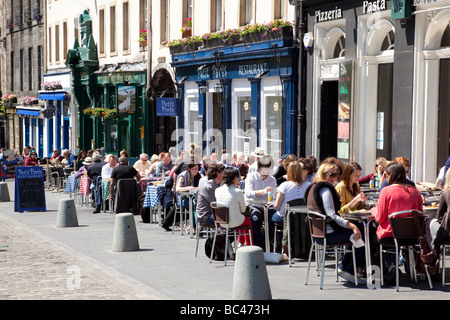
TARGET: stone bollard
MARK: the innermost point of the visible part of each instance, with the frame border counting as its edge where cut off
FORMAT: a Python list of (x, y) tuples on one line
[(250, 281), (67, 214), (4, 192), (125, 235)]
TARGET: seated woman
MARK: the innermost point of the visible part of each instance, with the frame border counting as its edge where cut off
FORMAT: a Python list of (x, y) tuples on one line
[(406, 165), (293, 188), (380, 164), (188, 180), (439, 230), (321, 196), (349, 190), (230, 195), (399, 195), (32, 160), (309, 166)]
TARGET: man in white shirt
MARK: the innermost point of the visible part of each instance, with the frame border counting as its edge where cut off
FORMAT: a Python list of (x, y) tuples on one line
[(257, 186), (108, 168), (257, 154)]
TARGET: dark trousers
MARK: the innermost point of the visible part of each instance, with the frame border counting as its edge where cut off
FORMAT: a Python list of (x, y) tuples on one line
[(257, 219)]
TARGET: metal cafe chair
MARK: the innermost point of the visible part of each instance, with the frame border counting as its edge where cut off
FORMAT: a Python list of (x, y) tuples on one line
[(318, 230), (406, 235), (221, 214)]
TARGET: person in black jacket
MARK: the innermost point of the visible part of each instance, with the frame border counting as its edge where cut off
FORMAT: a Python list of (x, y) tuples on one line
[(94, 171)]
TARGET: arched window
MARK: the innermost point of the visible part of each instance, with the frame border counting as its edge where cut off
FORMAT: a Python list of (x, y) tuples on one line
[(339, 49), (445, 42), (388, 42), (333, 46)]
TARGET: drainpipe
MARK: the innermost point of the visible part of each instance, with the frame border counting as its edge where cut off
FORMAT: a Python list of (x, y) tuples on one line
[(149, 50), (300, 22)]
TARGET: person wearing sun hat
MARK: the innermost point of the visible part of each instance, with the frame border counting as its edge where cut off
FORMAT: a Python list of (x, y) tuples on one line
[(257, 154), (83, 170)]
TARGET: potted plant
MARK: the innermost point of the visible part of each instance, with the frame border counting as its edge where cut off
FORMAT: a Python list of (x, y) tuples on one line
[(9, 98), (142, 38), (191, 44), (230, 37), (88, 111), (254, 33), (28, 100), (186, 28), (175, 46), (51, 85), (278, 29), (212, 40)]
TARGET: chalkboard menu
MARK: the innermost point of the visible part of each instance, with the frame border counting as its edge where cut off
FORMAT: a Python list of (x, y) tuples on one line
[(29, 189)]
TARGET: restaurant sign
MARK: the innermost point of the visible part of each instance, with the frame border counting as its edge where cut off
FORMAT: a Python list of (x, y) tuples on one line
[(167, 107)]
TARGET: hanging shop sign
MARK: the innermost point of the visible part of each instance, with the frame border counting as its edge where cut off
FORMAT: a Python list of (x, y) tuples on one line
[(126, 103), (167, 107), (401, 9)]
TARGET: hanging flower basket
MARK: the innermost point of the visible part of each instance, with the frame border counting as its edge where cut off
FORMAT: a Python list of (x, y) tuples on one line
[(28, 100)]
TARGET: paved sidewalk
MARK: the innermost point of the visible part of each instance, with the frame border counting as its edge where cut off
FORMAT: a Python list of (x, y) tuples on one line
[(42, 262)]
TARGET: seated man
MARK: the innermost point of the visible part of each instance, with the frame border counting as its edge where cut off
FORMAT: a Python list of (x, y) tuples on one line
[(165, 165), (143, 165), (122, 171), (257, 186), (56, 158), (206, 193), (70, 158)]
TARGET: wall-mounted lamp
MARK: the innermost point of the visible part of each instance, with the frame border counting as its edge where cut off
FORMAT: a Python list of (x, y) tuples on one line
[(203, 89), (218, 88), (202, 67)]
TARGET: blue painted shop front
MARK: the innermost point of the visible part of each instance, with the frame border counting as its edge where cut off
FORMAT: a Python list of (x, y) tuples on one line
[(241, 96)]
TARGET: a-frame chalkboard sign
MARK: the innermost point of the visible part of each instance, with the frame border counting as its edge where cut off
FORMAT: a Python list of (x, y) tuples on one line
[(29, 192)]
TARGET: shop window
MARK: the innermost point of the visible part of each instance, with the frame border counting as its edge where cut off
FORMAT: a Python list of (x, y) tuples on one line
[(112, 29), (101, 18), (445, 42), (164, 28), (339, 49), (388, 42), (125, 26), (245, 12)]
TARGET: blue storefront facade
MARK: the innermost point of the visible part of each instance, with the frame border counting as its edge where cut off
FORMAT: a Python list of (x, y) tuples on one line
[(239, 97)]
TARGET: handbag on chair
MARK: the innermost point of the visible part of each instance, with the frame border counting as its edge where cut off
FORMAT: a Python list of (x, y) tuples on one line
[(427, 258)]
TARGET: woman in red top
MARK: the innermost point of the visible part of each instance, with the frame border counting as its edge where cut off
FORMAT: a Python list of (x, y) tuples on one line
[(31, 160), (397, 196)]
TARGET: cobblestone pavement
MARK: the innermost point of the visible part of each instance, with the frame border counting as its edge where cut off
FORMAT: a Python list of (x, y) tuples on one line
[(34, 267)]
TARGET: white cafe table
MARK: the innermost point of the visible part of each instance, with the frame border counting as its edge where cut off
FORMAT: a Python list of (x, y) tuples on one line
[(366, 218), (265, 205), (191, 194)]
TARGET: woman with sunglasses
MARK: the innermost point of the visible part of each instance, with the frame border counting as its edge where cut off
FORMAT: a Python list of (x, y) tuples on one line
[(380, 164), (321, 196)]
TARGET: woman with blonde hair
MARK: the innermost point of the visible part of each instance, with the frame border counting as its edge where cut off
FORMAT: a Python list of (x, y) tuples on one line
[(321, 197), (293, 188)]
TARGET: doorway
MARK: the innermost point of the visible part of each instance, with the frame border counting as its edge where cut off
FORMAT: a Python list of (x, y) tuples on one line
[(443, 146), (328, 119), (384, 110)]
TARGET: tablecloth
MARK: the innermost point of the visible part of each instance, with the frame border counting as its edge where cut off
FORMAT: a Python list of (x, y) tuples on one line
[(85, 183), (71, 184), (105, 189), (153, 195)]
